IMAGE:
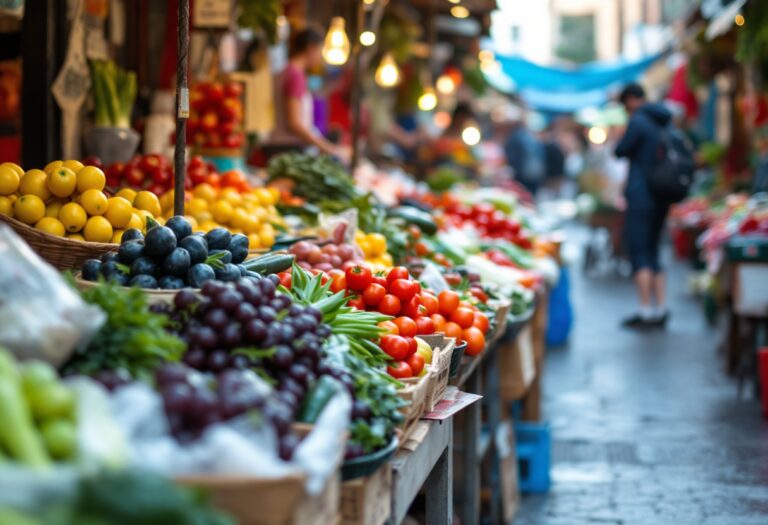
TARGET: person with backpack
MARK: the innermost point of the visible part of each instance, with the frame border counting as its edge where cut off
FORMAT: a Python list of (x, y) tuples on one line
[(651, 147)]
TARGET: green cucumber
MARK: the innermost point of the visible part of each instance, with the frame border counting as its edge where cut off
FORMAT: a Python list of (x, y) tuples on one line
[(416, 217), (270, 263), (317, 398)]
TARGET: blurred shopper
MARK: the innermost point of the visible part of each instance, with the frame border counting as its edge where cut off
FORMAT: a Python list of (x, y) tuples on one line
[(525, 154), (294, 110), (554, 161), (645, 216)]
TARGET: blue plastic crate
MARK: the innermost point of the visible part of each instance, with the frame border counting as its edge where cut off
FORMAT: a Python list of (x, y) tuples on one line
[(534, 445)]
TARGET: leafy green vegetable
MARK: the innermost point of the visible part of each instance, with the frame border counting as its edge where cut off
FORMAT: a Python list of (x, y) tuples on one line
[(114, 92), (133, 337), (260, 15), (316, 179)]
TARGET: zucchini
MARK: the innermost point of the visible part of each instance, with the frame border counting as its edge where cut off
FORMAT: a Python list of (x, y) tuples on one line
[(317, 398), (270, 263), (416, 217)]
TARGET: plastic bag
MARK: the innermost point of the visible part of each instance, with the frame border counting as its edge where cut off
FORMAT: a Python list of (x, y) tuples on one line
[(340, 227), (41, 316)]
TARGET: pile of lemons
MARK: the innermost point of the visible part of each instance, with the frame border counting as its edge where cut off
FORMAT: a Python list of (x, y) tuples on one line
[(67, 199), (252, 212), (374, 247)]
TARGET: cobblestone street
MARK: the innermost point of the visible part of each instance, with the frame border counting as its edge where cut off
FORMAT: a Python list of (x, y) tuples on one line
[(647, 429)]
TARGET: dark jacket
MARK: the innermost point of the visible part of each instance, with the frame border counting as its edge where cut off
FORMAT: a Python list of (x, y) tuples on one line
[(639, 144)]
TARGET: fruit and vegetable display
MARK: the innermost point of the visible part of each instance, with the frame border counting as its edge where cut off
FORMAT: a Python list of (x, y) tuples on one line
[(216, 120)]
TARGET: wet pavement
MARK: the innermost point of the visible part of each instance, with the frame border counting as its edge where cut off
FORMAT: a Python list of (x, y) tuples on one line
[(647, 428)]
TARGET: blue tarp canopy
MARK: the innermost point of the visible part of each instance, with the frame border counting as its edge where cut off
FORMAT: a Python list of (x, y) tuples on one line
[(556, 89)]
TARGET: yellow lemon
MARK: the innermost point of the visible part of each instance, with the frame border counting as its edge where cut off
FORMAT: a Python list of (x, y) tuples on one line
[(143, 215), (275, 194), (253, 225), (50, 225), (119, 212), (265, 196), (240, 219), (136, 222), (35, 182), (73, 217), (52, 208), (97, 229), (254, 241), (94, 201), (196, 205), (62, 182), (204, 216), (76, 237), (74, 165), (207, 226), (205, 191), (267, 238), (160, 220), (128, 194), (29, 209), (192, 221), (222, 211), (146, 200), (9, 180), (14, 196), (166, 200), (6, 206), (231, 195), (117, 236), (377, 243), (15, 167), (90, 178), (56, 164)]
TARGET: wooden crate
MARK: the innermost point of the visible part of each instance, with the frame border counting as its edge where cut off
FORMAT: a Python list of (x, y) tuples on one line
[(367, 501), (415, 394)]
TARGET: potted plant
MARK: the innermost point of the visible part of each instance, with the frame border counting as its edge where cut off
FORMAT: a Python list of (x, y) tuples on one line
[(114, 92)]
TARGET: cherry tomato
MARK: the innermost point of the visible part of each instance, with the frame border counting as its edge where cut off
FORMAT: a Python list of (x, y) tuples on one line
[(406, 326), (439, 321), (134, 176), (449, 301), (416, 362), (398, 272), (464, 317), (389, 305), (358, 277), (400, 370), (453, 330), (421, 249), (403, 289), (390, 327), (413, 346), (481, 322), (373, 294), (285, 279), (395, 346), (413, 308), (357, 302), (430, 302), (475, 341), (379, 279), (425, 326), (479, 294), (338, 282)]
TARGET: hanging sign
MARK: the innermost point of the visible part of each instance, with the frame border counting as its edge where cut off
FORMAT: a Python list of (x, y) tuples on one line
[(211, 14)]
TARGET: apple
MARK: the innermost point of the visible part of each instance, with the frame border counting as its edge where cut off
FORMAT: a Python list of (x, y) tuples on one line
[(233, 89)]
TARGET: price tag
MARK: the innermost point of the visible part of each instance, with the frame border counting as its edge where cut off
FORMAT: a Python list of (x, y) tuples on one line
[(212, 13), (183, 103)]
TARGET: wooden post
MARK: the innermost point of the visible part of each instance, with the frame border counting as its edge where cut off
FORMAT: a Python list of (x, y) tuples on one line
[(357, 85), (182, 108)]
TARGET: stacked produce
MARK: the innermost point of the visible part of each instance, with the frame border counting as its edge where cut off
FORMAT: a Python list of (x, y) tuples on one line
[(68, 199), (374, 247), (330, 256), (217, 115)]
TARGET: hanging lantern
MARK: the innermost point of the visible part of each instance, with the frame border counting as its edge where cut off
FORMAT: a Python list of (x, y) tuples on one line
[(387, 74), (428, 99), (336, 46)]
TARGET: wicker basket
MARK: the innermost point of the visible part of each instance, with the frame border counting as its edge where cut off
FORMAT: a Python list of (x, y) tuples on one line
[(415, 393), (153, 296), (442, 351), (60, 252)]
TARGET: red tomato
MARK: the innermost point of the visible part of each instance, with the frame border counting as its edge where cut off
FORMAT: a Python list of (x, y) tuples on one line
[(338, 282), (453, 330), (395, 346), (233, 89), (439, 321), (373, 294), (479, 294), (358, 277), (416, 362), (412, 346), (398, 272), (400, 370), (158, 189), (214, 179), (403, 289), (378, 279), (232, 179), (134, 176), (430, 302), (390, 327), (114, 173), (475, 341), (481, 322), (357, 302), (160, 175), (285, 279), (197, 175), (389, 305), (196, 162), (406, 326), (417, 284), (413, 308), (449, 301), (464, 317), (425, 326)]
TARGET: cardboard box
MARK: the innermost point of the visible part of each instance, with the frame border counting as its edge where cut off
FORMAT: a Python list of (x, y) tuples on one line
[(517, 366)]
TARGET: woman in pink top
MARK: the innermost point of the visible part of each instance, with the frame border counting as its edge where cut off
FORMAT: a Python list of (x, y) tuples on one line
[(294, 127)]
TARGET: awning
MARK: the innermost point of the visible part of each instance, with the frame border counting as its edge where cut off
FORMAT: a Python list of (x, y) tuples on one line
[(723, 21)]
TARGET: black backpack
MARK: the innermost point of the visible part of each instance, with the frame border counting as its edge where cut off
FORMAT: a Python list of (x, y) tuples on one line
[(671, 178)]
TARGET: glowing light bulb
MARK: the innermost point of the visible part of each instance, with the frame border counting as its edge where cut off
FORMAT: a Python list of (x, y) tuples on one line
[(459, 11), (597, 135), (387, 74), (446, 85), (367, 38), (471, 136), (485, 54), (336, 46), (739, 20), (428, 100), (442, 119)]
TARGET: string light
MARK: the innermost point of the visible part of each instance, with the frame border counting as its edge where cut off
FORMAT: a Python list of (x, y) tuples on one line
[(471, 135), (428, 100), (739, 20), (597, 135), (387, 74), (336, 46), (367, 38), (459, 11), (485, 54), (445, 85)]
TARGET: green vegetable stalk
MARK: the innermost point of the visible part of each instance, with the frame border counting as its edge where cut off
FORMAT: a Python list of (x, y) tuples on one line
[(114, 92), (17, 431)]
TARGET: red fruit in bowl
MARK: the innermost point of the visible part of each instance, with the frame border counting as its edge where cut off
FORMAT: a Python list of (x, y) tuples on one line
[(233, 89), (134, 176), (233, 141), (214, 92), (209, 122), (148, 162), (197, 175), (158, 189), (114, 173), (196, 162), (227, 128), (214, 141), (160, 175)]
